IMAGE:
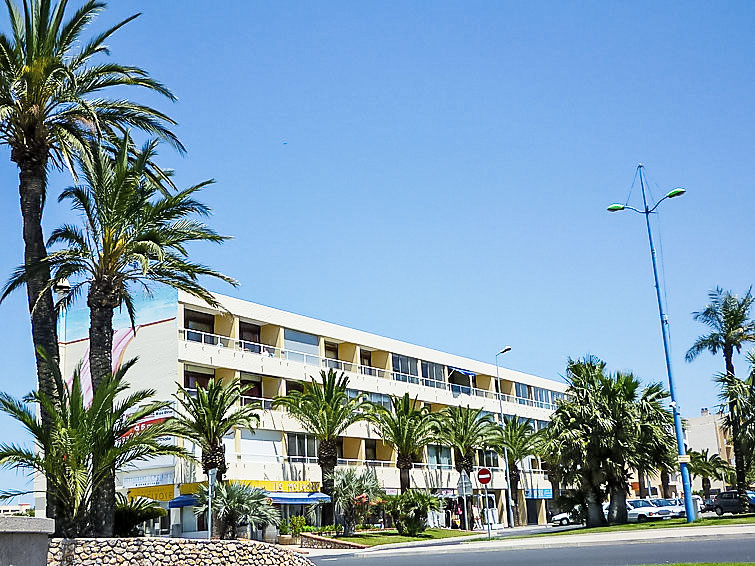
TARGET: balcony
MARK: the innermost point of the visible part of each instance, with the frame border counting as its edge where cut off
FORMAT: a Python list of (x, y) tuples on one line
[(311, 360)]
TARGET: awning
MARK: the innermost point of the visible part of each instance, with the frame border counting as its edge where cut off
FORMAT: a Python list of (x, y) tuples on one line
[(287, 498), (182, 501), (462, 371)]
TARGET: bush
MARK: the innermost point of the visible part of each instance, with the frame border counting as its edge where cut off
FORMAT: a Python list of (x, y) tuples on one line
[(297, 524), (409, 510), (130, 514), (283, 528)]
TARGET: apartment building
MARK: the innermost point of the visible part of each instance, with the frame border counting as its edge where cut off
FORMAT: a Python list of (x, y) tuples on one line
[(179, 339), (706, 432)]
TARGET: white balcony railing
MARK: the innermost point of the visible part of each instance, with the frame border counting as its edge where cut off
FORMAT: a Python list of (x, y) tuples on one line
[(329, 363)]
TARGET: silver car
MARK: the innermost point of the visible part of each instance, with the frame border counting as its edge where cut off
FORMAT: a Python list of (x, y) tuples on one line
[(642, 511)]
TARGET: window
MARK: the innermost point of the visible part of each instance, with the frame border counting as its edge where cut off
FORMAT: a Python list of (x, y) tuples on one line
[(370, 449), (331, 353), (438, 457), (433, 375), (522, 392), (202, 324), (302, 347), (250, 337), (487, 458), (294, 386), (365, 358), (195, 377), (301, 447), (405, 368), (542, 397), (251, 385), (557, 396)]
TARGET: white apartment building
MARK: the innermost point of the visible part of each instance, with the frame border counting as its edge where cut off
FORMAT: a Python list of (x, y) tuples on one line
[(180, 339), (706, 432)]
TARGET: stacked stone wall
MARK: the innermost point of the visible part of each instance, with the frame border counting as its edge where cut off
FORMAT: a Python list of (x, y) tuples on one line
[(169, 551), (309, 540)]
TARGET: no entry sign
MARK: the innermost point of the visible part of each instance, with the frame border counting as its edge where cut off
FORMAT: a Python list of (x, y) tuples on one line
[(484, 475)]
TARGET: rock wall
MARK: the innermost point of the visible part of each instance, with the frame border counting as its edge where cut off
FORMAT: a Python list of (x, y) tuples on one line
[(308, 540), (169, 551)]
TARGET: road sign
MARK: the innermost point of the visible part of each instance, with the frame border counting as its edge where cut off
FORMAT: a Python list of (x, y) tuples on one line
[(464, 487), (484, 476), (684, 459)]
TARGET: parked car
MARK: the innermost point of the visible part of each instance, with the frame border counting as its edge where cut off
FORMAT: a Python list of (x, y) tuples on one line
[(728, 502), (642, 510), (696, 500), (708, 505), (563, 519), (675, 509)]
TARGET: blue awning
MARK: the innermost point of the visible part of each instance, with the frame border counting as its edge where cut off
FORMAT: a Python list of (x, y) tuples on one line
[(462, 371), (288, 498), (182, 501)]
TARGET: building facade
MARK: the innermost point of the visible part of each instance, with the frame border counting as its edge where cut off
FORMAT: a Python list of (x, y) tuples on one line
[(706, 432), (179, 339)]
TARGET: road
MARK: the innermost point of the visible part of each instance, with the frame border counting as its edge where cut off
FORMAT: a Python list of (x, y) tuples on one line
[(725, 549)]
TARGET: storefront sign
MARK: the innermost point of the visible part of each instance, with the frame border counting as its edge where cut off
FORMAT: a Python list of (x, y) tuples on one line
[(156, 492), (267, 485), (538, 493), (148, 480)]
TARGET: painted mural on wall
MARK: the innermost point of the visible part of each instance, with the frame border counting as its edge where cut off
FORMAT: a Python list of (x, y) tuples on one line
[(159, 306)]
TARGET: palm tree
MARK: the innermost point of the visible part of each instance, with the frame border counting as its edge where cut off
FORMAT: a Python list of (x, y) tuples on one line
[(326, 410), (51, 107), (408, 426), (77, 450), (707, 467), (130, 513), (728, 318), (353, 493), (464, 430), (519, 440), (206, 415), (235, 505), (132, 235)]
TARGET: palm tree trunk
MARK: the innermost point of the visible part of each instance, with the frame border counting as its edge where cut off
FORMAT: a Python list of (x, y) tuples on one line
[(100, 365), (514, 478), (617, 511), (706, 488), (665, 489), (643, 484), (736, 440), (44, 331), (327, 457), (404, 464)]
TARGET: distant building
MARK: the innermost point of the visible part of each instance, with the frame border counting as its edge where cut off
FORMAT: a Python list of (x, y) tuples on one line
[(19, 509), (706, 432)]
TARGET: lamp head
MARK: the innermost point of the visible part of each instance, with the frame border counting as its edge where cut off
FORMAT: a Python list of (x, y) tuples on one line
[(505, 349), (616, 207), (676, 193)]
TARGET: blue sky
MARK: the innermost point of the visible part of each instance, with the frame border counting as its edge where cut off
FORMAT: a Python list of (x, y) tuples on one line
[(439, 172)]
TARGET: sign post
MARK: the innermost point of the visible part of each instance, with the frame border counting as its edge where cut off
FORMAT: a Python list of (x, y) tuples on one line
[(484, 475), (465, 490)]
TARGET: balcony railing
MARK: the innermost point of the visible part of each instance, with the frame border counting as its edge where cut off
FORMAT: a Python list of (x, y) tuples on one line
[(349, 367)]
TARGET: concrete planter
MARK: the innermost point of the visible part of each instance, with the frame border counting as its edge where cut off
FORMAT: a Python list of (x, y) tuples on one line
[(286, 539), (24, 540)]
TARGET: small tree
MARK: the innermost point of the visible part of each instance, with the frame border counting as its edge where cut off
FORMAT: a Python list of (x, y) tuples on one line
[(353, 493), (130, 513), (409, 510), (708, 467), (235, 505)]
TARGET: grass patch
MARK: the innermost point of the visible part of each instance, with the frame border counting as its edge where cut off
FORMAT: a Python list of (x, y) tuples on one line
[(652, 525), (390, 536)]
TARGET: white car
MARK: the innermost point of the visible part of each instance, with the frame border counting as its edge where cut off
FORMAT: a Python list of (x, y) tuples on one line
[(676, 511), (642, 510), (563, 519)]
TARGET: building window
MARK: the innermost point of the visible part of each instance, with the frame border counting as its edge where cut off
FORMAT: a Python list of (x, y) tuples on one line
[(487, 458), (522, 393), (365, 357), (201, 324), (331, 355), (301, 447), (195, 377), (302, 347), (557, 396), (542, 397), (433, 375), (251, 385), (250, 337), (294, 386), (370, 449), (438, 457), (405, 368)]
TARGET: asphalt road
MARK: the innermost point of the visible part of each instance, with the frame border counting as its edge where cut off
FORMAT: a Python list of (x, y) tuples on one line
[(725, 549)]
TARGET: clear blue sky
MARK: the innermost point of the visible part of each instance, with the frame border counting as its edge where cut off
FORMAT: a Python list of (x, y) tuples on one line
[(439, 172)]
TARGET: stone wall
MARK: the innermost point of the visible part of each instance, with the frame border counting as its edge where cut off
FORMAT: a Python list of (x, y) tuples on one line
[(169, 551), (308, 540)]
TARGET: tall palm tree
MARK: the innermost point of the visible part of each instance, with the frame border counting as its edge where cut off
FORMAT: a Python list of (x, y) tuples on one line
[(132, 234), (206, 415), (79, 447), (707, 467), (408, 426), (520, 441), (325, 410), (52, 105), (728, 317), (464, 430)]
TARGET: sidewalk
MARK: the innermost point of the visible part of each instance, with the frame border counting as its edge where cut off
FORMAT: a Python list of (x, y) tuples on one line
[(637, 536)]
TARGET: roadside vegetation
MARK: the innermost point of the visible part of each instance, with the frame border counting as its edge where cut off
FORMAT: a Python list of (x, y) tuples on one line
[(391, 536)]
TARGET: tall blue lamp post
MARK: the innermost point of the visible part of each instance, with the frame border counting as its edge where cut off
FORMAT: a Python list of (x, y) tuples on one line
[(683, 457)]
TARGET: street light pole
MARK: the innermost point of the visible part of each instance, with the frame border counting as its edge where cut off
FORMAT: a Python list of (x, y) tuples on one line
[(212, 477), (509, 500), (683, 458)]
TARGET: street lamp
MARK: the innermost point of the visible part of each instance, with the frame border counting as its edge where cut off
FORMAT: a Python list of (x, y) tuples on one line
[(509, 501), (212, 478), (683, 458)]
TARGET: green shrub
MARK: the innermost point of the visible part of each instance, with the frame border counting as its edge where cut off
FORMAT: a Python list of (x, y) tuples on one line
[(130, 514), (409, 510), (297, 524), (283, 528)]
